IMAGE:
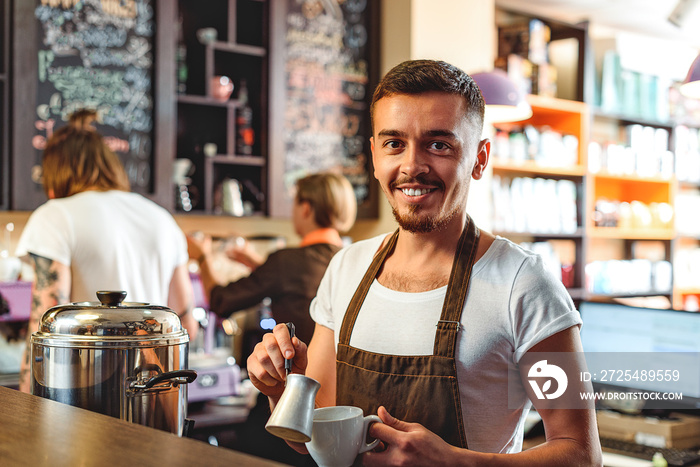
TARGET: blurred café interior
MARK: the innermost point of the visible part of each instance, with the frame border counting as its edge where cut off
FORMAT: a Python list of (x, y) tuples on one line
[(216, 107)]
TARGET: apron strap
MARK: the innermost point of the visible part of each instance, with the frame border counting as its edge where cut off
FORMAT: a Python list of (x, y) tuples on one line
[(361, 292), (449, 324)]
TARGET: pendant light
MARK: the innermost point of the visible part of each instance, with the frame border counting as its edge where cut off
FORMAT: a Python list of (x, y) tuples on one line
[(691, 84), (504, 102)]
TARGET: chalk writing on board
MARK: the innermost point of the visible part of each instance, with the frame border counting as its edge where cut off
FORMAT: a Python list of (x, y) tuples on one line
[(326, 117), (99, 54)]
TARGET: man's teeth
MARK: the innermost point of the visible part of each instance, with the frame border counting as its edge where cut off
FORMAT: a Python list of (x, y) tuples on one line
[(415, 192)]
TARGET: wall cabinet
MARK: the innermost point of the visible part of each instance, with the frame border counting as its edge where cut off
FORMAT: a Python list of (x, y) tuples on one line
[(223, 40), (302, 78)]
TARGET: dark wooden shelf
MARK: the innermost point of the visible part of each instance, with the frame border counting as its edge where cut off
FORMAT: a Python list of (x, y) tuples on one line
[(242, 49), (213, 212), (255, 161), (205, 100)]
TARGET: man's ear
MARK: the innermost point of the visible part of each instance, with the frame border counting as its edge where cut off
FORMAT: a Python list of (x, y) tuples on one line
[(306, 209), (482, 159), (371, 147)]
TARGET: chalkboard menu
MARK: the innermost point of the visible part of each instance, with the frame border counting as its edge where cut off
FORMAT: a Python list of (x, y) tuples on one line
[(98, 54), (328, 89)]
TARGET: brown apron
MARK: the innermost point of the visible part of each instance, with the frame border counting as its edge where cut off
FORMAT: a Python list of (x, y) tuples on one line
[(421, 389)]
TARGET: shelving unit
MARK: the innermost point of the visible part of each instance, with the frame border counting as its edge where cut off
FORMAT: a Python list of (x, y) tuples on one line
[(566, 118), (600, 241), (240, 52), (649, 190)]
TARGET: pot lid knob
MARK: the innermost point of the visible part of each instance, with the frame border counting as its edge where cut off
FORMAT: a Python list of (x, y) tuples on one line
[(111, 297)]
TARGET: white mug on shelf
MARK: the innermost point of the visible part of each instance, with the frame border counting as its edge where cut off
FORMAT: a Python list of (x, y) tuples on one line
[(210, 149)]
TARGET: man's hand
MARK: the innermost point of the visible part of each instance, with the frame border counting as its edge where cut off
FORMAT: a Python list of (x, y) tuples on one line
[(198, 246), (244, 253), (406, 444), (266, 363)]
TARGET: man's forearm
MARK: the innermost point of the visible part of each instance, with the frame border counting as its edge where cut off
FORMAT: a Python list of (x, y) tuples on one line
[(207, 275), (555, 453), (51, 287)]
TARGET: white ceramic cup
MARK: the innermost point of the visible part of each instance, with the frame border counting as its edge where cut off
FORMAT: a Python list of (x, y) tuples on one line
[(339, 434)]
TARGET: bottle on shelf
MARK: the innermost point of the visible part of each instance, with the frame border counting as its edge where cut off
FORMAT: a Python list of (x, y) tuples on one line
[(245, 136), (181, 60)]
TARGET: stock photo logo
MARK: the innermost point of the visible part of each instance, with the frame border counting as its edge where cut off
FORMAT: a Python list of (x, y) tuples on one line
[(546, 373)]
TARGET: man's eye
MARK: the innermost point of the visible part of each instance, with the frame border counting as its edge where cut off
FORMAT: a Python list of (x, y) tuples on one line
[(393, 144), (439, 145)]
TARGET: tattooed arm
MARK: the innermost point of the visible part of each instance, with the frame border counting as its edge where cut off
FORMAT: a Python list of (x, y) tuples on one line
[(181, 299), (52, 283)]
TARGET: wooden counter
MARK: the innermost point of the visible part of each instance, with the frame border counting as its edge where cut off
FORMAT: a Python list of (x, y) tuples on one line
[(41, 432)]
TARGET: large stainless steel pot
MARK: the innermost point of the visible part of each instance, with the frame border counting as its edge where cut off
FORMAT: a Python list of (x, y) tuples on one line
[(127, 360)]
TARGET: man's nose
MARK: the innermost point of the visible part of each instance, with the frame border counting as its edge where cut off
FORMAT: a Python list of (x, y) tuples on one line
[(415, 161)]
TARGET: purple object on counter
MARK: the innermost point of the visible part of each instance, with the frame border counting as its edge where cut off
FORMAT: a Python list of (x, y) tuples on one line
[(217, 380), (18, 296), (199, 299)]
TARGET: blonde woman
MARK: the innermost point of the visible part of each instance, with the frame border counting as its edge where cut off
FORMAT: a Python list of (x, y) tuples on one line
[(94, 234), (324, 206)]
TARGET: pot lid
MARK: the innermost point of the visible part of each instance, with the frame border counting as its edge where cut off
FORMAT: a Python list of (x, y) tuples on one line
[(111, 319)]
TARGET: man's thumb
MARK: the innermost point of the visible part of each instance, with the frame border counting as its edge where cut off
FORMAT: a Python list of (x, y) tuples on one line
[(390, 420)]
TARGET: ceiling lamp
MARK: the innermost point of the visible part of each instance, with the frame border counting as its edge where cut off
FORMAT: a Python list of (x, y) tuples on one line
[(504, 102)]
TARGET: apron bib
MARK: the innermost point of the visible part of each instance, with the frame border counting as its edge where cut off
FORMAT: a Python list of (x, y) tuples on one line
[(421, 389)]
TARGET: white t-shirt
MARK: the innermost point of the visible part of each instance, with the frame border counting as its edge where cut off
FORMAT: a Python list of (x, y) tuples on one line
[(512, 304), (111, 240)]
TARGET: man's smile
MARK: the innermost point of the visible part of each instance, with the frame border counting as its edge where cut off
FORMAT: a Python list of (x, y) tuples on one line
[(416, 191)]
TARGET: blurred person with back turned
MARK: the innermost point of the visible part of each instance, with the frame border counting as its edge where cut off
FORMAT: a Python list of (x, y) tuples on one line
[(94, 234), (324, 206), (435, 328)]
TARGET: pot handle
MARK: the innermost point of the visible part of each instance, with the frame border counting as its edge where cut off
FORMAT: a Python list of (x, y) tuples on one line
[(111, 297), (188, 375)]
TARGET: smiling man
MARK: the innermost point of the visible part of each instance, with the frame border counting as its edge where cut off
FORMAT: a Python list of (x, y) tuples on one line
[(435, 327)]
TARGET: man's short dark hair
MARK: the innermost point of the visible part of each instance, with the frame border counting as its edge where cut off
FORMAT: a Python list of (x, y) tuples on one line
[(419, 76)]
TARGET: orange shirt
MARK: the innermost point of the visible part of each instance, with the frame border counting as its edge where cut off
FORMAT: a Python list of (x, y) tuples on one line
[(327, 235)]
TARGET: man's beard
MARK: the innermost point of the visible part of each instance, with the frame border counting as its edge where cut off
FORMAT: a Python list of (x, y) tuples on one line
[(414, 223), (421, 224)]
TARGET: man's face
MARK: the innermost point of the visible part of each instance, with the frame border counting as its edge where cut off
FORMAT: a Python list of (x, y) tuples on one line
[(425, 151)]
